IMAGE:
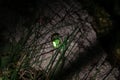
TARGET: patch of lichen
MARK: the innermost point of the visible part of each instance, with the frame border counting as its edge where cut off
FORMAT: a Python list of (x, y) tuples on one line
[(103, 21)]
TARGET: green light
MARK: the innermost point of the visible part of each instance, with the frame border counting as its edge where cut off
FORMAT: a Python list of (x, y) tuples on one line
[(56, 43)]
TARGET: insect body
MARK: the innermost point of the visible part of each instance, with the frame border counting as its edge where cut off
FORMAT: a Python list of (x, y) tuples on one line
[(56, 41)]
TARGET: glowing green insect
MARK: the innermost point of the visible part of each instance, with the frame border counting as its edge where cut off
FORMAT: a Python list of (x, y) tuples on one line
[(56, 40), (56, 43)]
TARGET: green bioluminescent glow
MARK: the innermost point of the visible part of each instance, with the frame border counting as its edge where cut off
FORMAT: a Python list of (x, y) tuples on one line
[(56, 43)]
